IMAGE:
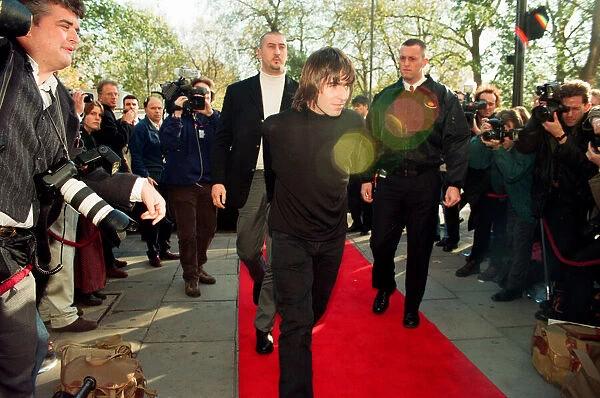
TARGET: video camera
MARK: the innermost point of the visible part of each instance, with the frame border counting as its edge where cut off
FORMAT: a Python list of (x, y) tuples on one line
[(549, 93), (15, 18), (471, 107), (498, 133), (182, 87)]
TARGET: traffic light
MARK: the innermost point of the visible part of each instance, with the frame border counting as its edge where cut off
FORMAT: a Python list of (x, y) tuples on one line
[(534, 25)]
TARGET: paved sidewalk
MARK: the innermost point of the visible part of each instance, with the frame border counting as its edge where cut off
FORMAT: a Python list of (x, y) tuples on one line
[(188, 346)]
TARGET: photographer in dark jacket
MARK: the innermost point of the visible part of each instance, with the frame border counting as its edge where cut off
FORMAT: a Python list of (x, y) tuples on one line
[(38, 128), (561, 194), (186, 138)]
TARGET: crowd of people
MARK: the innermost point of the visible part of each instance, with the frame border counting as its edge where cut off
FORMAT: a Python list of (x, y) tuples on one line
[(269, 153)]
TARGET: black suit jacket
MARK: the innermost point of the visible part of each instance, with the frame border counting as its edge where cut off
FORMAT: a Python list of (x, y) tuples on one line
[(235, 150)]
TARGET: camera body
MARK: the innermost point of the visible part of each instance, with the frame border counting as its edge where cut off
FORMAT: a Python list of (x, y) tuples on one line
[(471, 107), (182, 87), (550, 94), (498, 133)]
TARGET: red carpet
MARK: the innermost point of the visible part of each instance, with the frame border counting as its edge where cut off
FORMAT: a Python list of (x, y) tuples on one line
[(359, 354)]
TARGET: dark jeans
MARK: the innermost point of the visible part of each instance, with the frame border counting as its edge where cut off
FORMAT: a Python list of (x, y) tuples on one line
[(304, 273), (490, 214), (196, 218), (520, 241), (399, 202)]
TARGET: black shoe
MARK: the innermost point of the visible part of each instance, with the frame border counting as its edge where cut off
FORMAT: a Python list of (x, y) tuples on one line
[(264, 342), (507, 295), (168, 255), (470, 268), (99, 294), (449, 246), (411, 320), (88, 300), (381, 302), (441, 242)]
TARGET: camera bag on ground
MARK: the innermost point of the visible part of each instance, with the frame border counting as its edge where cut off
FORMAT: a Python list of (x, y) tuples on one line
[(110, 362)]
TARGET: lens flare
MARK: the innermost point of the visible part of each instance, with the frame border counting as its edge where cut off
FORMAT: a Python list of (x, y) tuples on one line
[(403, 120), (354, 152)]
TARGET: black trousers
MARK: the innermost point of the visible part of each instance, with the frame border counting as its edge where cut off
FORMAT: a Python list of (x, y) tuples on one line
[(490, 215), (400, 202), (304, 273)]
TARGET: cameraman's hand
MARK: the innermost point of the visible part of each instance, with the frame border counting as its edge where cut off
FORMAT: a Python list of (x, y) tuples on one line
[(179, 102), (491, 144), (593, 155), (154, 203), (554, 127), (219, 195), (78, 100), (485, 125)]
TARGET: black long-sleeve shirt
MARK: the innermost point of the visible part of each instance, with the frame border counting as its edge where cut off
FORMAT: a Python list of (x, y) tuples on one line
[(307, 169)]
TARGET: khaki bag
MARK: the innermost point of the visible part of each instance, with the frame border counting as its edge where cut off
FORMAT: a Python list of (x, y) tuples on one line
[(110, 362)]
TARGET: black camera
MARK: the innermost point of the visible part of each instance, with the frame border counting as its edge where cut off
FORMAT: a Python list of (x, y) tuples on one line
[(471, 107), (60, 179), (87, 97), (15, 18), (550, 94), (498, 133), (182, 87)]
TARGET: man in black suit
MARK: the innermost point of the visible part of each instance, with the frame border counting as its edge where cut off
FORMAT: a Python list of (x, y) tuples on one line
[(238, 169)]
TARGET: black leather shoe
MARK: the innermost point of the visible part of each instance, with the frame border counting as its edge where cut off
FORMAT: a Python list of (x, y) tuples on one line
[(381, 302), (411, 320), (441, 242), (449, 246), (507, 295), (88, 299), (470, 268), (99, 294), (264, 342), (169, 255)]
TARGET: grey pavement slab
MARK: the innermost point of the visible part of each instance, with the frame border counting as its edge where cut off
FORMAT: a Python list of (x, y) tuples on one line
[(199, 321), (138, 295), (219, 266), (508, 367), (433, 290), (456, 320), (520, 336), (519, 312), (446, 277), (129, 319), (195, 369)]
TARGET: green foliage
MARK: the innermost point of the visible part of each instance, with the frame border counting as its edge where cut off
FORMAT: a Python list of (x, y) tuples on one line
[(138, 50)]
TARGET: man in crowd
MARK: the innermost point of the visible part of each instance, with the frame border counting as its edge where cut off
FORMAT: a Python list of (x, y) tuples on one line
[(147, 161), (114, 133), (361, 211), (595, 100), (486, 194), (307, 219), (56, 305), (186, 137), (130, 103), (238, 168), (412, 143), (40, 127), (561, 193)]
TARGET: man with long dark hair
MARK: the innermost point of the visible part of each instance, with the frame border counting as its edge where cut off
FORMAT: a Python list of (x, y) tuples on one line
[(306, 171)]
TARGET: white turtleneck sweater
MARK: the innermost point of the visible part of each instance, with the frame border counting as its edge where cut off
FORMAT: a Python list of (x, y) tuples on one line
[(271, 88)]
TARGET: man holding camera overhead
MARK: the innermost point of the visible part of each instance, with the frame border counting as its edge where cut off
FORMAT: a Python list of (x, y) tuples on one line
[(186, 137)]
